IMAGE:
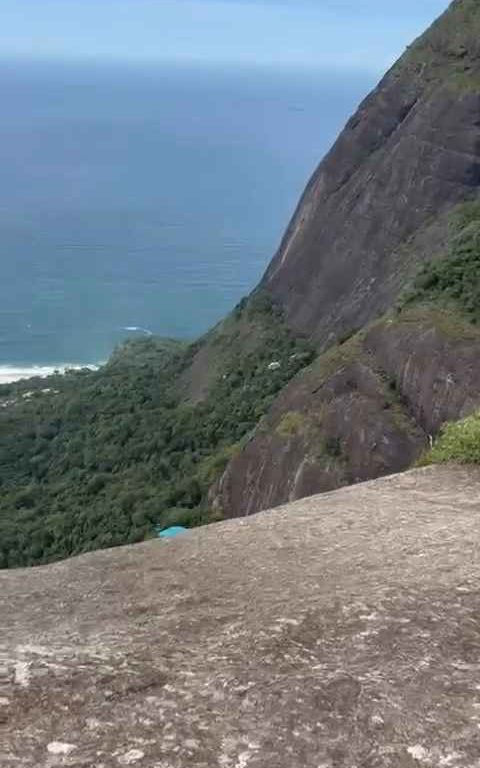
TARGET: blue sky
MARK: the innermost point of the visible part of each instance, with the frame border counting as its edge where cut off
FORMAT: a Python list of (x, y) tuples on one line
[(360, 34)]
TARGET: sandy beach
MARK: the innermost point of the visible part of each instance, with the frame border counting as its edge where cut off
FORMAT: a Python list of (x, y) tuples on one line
[(8, 374)]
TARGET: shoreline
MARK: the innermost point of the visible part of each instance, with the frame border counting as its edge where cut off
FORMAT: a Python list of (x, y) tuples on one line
[(11, 373)]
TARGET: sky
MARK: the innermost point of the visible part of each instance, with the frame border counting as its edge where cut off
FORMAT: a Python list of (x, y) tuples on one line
[(325, 34)]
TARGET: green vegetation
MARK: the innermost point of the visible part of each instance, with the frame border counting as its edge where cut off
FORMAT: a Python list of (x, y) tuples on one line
[(459, 442), (448, 321), (290, 424), (338, 356), (446, 293), (448, 53), (101, 457), (332, 447), (454, 281)]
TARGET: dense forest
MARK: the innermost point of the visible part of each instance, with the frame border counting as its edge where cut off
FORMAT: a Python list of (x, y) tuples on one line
[(92, 459), (96, 459)]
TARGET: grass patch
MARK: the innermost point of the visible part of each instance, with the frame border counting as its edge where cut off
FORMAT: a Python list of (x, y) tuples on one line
[(459, 442), (448, 53), (454, 281), (290, 425), (337, 357)]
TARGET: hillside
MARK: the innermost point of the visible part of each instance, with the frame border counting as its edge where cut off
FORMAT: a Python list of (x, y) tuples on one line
[(372, 404), (95, 459), (380, 269), (361, 340), (342, 630), (374, 209)]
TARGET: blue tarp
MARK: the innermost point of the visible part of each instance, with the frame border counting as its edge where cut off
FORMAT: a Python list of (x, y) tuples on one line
[(169, 533)]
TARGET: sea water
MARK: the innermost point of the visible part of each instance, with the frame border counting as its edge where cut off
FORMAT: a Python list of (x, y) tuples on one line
[(139, 200)]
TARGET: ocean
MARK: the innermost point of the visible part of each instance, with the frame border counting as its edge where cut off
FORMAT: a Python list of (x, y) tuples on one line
[(139, 200)]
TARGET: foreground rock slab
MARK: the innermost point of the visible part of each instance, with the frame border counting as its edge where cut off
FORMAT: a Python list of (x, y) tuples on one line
[(342, 630)]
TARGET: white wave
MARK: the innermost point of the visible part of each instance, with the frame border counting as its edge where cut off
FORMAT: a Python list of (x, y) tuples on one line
[(137, 329), (10, 373)]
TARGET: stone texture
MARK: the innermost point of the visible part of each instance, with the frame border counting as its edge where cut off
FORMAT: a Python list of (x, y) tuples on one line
[(409, 154), (339, 631), (367, 409), (375, 210), (437, 374)]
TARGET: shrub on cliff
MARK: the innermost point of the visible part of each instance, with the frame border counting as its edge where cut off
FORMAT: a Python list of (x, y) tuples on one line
[(455, 280), (459, 442)]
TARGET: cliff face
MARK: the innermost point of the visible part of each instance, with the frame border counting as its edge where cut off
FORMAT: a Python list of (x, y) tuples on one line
[(365, 409), (381, 204), (410, 152)]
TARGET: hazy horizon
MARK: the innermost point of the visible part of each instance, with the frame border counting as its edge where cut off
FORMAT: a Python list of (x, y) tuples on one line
[(316, 34), (117, 205)]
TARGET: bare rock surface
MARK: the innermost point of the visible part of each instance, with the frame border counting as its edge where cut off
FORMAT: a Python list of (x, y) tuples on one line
[(366, 410), (409, 154), (339, 631), (379, 206)]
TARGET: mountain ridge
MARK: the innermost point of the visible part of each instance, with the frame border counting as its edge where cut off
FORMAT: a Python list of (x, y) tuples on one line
[(388, 173), (383, 207)]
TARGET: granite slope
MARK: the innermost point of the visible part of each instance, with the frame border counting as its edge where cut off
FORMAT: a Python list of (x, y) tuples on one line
[(378, 210), (341, 630)]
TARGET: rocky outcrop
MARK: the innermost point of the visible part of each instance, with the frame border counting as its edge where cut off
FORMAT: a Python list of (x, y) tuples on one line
[(410, 153), (379, 206), (338, 631), (433, 360), (365, 409)]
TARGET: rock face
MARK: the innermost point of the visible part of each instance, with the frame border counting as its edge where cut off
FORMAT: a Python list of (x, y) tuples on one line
[(379, 206), (410, 152), (366, 409), (342, 630)]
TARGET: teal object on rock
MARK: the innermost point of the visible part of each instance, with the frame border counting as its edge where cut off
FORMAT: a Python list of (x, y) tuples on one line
[(169, 533)]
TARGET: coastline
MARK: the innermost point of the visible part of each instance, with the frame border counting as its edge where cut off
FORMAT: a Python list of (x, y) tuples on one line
[(12, 373)]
